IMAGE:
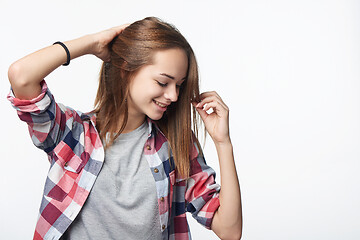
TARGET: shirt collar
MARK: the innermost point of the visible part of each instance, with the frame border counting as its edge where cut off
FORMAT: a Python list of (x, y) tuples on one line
[(153, 127)]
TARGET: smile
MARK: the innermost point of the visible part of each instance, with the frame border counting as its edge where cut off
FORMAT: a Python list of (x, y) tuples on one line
[(160, 104)]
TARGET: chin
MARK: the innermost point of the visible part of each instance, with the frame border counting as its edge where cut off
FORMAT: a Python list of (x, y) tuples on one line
[(155, 116)]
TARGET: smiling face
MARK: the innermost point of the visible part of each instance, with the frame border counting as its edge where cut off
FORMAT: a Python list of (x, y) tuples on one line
[(156, 86)]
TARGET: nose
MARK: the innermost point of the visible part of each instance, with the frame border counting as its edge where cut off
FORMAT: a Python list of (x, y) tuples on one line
[(171, 93)]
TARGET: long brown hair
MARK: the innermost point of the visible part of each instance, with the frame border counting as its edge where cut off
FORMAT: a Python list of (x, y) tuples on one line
[(131, 50)]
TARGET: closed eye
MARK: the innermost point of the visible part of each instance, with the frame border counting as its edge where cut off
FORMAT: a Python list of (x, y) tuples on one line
[(162, 84), (165, 84)]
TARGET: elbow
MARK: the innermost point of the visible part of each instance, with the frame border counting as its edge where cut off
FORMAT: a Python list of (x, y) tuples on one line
[(233, 232), (21, 85), (233, 235), (237, 236), (13, 72), (15, 76), (228, 230), (230, 233)]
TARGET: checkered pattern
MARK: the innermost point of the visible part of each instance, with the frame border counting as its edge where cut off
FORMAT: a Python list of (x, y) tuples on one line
[(76, 155)]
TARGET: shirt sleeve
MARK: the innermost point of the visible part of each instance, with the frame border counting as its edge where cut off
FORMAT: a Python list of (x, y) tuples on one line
[(45, 118), (202, 192)]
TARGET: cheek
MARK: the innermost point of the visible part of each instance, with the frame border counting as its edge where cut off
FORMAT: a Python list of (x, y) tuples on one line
[(145, 92), (151, 90)]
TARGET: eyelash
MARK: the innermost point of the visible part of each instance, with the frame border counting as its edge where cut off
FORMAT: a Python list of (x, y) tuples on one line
[(162, 84), (165, 84)]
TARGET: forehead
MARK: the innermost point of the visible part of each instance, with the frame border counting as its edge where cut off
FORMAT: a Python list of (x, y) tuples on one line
[(171, 61)]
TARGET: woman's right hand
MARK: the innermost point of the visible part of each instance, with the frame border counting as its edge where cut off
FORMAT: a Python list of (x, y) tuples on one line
[(102, 40)]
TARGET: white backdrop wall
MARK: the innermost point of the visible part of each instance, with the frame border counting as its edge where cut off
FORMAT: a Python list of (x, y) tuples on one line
[(288, 70)]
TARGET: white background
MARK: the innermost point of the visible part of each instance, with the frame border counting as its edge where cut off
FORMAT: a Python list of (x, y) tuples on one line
[(288, 70)]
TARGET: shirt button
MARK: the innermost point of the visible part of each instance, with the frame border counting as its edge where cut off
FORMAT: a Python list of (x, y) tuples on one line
[(156, 170), (148, 147), (163, 227), (162, 199)]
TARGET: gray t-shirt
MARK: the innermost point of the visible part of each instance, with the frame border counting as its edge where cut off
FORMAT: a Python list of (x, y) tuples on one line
[(123, 202)]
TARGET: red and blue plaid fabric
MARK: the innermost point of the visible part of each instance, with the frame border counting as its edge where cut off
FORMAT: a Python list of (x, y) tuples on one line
[(76, 155)]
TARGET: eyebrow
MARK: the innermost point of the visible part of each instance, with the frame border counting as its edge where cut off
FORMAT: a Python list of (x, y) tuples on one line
[(169, 76)]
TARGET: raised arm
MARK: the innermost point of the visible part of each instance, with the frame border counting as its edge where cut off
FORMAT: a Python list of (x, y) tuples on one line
[(26, 74), (227, 221)]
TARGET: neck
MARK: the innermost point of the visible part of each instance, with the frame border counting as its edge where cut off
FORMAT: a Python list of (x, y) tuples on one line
[(133, 123)]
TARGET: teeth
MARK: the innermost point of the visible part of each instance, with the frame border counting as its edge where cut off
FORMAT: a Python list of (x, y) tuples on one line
[(161, 105)]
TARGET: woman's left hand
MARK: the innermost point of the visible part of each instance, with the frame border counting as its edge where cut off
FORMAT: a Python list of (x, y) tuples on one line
[(217, 122)]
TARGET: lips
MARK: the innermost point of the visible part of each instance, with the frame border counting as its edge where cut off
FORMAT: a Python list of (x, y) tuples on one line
[(162, 105)]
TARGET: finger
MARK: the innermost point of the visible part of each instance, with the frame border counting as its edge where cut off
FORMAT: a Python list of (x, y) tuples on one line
[(119, 29), (211, 98), (212, 102), (213, 105), (210, 93), (215, 95), (217, 109), (221, 102), (205, 100), (203, 114)]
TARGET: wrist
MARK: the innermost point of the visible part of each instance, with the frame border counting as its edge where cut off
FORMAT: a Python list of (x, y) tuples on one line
[(92, 44), (89, 44), (224, 143), (81, 46)]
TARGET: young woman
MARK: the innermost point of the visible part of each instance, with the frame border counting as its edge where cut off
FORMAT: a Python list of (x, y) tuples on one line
[(132, 167)]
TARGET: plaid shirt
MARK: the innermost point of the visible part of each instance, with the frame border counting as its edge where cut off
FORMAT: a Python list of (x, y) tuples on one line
[(76, 155)]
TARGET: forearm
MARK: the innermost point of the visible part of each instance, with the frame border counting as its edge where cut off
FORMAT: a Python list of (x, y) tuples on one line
[(26, 74), (227, 222)]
